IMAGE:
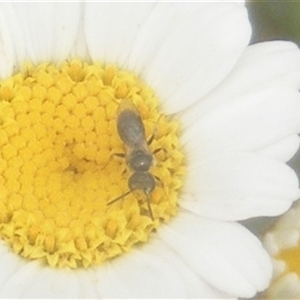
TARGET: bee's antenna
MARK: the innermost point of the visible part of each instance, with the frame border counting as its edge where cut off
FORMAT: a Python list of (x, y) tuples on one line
[(119, 198)]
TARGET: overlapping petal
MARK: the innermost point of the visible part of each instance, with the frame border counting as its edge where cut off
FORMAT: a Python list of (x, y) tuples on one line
[(237, 186), (283, 150), (9, 55), (110, 38), (10, 263), (173, 46), (20, 278), (261, 66), (153, 270), (37, 32), (255, 121), (218, 252), (239, 120), (34, 281)]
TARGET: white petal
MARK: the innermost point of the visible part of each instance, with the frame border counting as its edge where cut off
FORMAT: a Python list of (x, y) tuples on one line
[(20, 278), (9, 262), (79, 48), (225, 254), (274, 63), (49, 29), (262, 66), (197, 46), (271, 244), (10, 36), (87, 284), (287, 287), (151, 271), (17, 284), (279, 266), (252, 123), (111, 29), (35, 281), (237, 186), (285, 232), (283, 150), (173, 45)]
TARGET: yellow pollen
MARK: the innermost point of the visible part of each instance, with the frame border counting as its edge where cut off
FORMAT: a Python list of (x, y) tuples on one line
[(61, 166)]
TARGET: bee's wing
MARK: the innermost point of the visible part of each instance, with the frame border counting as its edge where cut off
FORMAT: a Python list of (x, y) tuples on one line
[(130, 126)]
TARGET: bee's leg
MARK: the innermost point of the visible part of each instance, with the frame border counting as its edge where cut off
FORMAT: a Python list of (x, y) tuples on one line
[(159, 149), (158, 180), (160, 158), (149, 208), (142, 200), (150, 140), (121, 155)]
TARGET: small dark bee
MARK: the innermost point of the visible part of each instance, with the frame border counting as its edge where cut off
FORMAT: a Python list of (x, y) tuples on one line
[(138, 156)]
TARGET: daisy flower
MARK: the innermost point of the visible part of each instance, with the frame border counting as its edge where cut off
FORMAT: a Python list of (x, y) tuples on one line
[(133, 138), (283, 244)]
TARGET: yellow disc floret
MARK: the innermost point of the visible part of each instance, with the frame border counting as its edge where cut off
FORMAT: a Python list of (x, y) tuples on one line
[(60, 164)]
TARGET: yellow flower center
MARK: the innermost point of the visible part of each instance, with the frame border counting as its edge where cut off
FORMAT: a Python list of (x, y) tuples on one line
[(291, 257), (61, 165)]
